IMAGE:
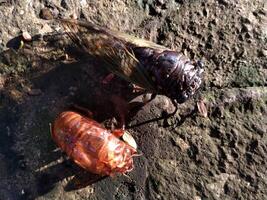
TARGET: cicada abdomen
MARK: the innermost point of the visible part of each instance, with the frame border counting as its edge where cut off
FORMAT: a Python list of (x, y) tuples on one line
[(91, 146), (153, 67)]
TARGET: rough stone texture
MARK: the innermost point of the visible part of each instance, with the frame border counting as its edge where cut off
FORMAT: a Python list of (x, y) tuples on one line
[(186, 156)]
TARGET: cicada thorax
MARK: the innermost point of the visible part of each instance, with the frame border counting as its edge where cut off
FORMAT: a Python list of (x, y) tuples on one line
[(172, 73), (91, 146)]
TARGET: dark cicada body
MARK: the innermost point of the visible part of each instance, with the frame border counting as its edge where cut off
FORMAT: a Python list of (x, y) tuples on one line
[(153, 67), (173, 74)]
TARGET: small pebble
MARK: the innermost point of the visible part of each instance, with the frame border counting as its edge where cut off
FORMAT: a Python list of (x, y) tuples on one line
[(74, 16), (182, 144), (46, 14), (197, 198), (26, 36), (161, 2), (84, 3), (21, 12)]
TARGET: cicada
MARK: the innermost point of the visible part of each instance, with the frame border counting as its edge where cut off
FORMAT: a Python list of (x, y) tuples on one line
[(92, 146), (155, 68)]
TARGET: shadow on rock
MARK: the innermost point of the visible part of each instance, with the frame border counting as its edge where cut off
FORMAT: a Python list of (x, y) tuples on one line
[(41, 82), (35, 92), (76, 177)]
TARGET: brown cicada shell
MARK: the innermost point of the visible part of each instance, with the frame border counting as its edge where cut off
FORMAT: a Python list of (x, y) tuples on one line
[(91, 146)]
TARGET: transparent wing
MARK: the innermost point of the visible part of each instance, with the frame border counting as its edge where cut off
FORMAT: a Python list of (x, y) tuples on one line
[(112, 48)]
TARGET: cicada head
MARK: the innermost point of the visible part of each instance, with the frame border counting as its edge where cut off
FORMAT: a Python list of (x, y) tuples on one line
[(178, 77), (191, 81), (122, 161)]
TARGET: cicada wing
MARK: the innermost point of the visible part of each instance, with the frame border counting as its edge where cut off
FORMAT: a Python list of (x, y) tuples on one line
[(115, 52), (137, 41), (119, 35)]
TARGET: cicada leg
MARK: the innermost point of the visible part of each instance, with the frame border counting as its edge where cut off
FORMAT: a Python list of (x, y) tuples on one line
[(121, 109), (137, 89), (118, 132), (107, 79), (176, 107)]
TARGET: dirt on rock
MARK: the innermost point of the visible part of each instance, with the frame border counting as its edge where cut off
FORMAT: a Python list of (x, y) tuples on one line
[(186, 156)]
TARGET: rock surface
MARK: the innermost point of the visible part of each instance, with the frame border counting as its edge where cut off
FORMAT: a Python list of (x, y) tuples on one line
[(221, 156)]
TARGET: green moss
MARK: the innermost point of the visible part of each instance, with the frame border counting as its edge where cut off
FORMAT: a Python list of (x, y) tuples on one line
[(257, 106), (12, 62), (227, 113), (248, 76), (210, 97)]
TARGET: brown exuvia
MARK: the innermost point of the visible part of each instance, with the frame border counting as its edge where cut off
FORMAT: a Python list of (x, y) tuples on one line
[(91, 146)]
